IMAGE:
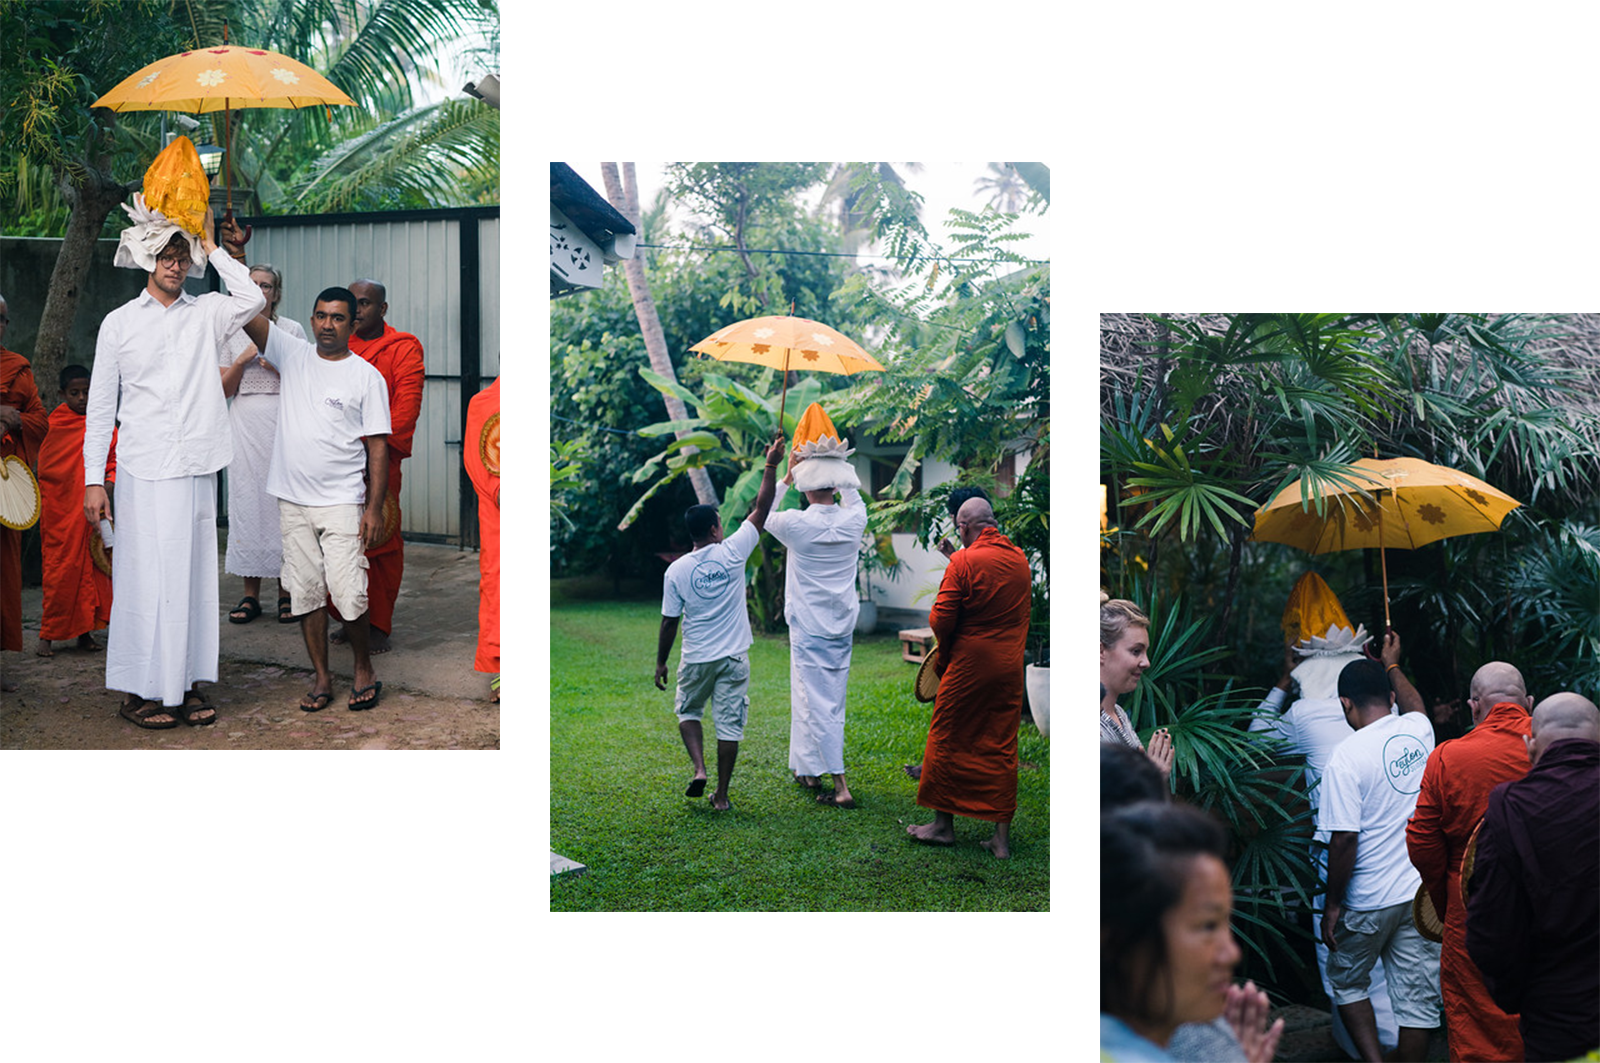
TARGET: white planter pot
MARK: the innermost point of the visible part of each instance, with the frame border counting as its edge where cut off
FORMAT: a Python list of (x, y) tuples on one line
[(1037, 681), (867, 620)]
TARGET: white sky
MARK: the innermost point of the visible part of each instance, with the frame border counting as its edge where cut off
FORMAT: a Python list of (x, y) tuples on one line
[(941, 184)]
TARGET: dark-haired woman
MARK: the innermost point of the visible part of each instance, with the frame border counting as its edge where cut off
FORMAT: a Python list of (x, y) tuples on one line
[(1167, 952)]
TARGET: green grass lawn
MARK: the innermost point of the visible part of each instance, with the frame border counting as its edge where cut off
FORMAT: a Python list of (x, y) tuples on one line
[(618, 770)]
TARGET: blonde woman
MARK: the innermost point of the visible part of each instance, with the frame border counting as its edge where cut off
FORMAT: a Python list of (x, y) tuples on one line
[(1124, 649)]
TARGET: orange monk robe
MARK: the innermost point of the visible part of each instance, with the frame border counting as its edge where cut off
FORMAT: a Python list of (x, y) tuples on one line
[(17, 389), (1455, 793), (480, 452), (77, 595), (398, 356), (981, 621)]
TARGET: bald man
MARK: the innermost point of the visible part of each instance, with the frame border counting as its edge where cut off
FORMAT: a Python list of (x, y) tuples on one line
[(398, 357), (1455, 791), (969, 767), (1533, 903)]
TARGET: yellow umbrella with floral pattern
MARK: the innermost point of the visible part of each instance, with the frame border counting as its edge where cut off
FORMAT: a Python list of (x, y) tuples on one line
[(1395, 502), (223, 78), (786, 343)]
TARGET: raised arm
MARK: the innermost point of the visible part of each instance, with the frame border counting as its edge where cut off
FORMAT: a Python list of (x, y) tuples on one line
[(1405, 695), (769, 484)]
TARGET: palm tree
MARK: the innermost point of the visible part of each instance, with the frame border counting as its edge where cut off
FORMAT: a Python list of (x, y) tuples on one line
[(1006, 189), (623, 192)]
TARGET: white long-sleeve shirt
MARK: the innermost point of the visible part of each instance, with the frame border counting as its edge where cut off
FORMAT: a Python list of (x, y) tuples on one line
[(824, 543), (155, 378)]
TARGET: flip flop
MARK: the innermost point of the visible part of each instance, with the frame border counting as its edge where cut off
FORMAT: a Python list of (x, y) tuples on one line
[(831, 798), (318, 702), (249, 607), (140, 714), (359, 700), (696, 788)]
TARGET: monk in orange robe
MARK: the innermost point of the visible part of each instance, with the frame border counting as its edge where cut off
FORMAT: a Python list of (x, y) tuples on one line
[(1456, 783), (481, 454), (980, 619), (23, 424), (77, 594), (398, 356)]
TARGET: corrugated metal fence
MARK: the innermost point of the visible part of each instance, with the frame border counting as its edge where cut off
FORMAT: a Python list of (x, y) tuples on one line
[(442, 272)]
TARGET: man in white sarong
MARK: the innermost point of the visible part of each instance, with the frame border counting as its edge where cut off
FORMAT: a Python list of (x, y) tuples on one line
[(155, 378), (820, 599), (1319, 633)]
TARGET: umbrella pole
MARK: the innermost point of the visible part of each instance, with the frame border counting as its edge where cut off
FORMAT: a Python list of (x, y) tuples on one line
[(1383, 562), (227, 158), (783, 394)]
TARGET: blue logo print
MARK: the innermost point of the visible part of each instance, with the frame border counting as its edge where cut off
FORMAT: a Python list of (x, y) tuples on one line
[(1404, 757), (709, 580)]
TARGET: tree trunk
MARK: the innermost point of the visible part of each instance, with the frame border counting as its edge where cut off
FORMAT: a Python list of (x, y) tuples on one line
[(625, 198), (92, 198)]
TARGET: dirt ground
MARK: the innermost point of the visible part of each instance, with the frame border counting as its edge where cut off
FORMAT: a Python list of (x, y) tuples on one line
[(432, 698), (63, 704)]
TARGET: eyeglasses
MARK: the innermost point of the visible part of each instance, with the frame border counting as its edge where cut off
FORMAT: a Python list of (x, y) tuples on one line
[(267, 286), (174, 260)]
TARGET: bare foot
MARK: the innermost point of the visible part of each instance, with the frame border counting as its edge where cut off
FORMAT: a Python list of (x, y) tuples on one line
[(87, 642), (720, 802), (999, 848), (377, 641), (808, 781), (930, 834), (43, 649), (915, 771)]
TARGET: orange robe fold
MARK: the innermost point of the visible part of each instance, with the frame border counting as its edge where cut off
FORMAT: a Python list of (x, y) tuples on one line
[(77, 595), (1455, 790), (17, 389), (398, 356), (480, 453), (980, 619)]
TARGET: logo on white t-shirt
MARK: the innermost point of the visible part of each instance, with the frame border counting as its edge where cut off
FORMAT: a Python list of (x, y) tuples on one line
[(709, 579), (1404, 757)]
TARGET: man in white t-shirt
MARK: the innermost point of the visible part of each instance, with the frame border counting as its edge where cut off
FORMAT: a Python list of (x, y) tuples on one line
[(821, 604), (1369, 791), (329, 472), (704, 589)]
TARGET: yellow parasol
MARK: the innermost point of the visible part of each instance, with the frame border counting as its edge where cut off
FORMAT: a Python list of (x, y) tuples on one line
[(1407, 503), (220, 79), (786, 343)]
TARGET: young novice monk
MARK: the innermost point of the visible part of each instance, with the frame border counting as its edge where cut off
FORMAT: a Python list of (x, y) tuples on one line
[(77, 595)]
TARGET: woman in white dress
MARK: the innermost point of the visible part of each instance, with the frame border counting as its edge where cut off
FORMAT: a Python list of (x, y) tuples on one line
[(255, 549)]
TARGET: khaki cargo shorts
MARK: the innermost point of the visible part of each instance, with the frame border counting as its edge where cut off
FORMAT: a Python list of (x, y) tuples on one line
[(726, 683), (322, 558)]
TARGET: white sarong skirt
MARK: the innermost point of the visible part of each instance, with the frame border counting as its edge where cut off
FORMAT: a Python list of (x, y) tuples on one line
[(165, 623)]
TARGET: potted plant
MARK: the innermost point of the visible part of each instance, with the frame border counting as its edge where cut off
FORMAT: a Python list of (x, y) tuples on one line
[(877, 557)]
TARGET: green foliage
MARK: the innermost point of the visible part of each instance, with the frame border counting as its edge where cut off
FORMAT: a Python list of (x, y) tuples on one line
[(598, 392), (442, 154), (1219, 766)]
